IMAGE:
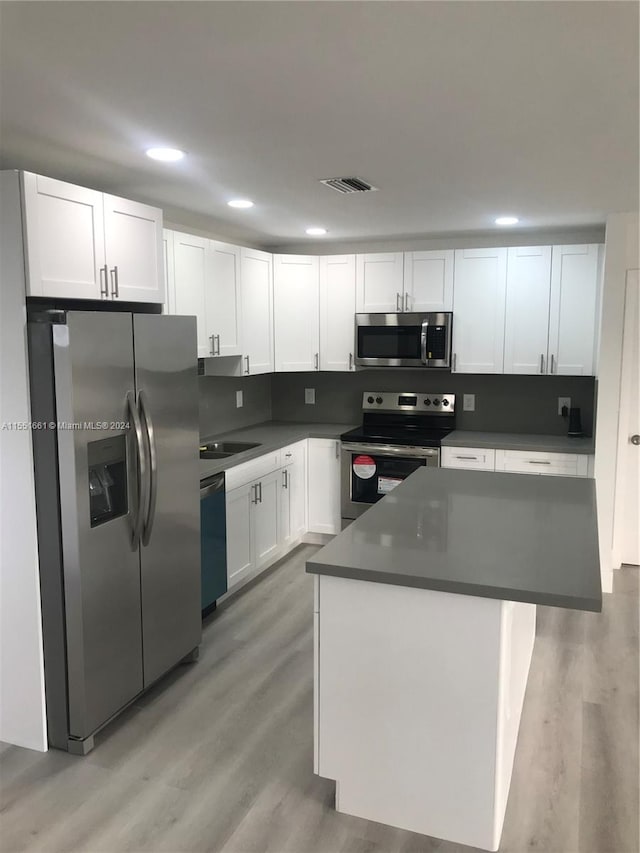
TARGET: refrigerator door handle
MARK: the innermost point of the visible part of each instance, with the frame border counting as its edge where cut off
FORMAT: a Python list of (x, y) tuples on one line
[(147, 528), (143, 480)]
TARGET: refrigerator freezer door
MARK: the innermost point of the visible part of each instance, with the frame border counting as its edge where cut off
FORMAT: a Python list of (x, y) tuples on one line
[(93, 368), (167, 392)]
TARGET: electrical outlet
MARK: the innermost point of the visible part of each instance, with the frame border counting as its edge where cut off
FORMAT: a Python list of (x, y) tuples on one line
[(564, 401), (310, 396), (469, 402), (239, 400)]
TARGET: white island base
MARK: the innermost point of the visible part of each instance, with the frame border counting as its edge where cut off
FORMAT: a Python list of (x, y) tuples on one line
[(418, 696)]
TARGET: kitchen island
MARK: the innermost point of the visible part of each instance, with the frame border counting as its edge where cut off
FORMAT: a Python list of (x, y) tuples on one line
[(424, 627)]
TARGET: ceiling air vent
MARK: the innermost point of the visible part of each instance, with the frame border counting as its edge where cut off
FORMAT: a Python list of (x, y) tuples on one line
[(348, 185)]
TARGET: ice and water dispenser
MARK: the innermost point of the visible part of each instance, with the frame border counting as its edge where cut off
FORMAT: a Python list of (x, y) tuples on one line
[(107, 479)]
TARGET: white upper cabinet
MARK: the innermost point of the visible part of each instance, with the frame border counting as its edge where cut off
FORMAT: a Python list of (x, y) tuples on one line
[(478, 310), (82, 244), (296, 289), (257, 311), (379, 283), (337, 311), (573, 311), (527, 310), (133, 248), (191, 273), (223, 300), (428, 281), (64, 229)]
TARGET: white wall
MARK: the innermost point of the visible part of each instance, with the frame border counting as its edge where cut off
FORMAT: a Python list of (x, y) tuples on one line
[(22, 705), (621, 254)]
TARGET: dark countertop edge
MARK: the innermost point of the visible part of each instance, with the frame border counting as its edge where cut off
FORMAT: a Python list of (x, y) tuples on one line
[(306, 430), (458, 587), (514, 441)]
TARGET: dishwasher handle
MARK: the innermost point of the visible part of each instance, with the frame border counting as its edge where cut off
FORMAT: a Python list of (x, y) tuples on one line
[(211, 485)]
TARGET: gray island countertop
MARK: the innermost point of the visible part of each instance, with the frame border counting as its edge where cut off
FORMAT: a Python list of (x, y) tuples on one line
[(506, 536)]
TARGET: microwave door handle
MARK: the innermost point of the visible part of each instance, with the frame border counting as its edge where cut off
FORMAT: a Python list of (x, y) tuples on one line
[(423, 341)]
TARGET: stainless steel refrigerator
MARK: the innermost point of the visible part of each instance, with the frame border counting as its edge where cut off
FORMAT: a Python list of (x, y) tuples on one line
[(115, 405)]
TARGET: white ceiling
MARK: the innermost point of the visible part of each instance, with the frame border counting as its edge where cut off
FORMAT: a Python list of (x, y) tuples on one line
[(457, 111)]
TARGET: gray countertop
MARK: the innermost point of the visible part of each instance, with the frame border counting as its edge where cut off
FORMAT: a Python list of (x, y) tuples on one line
[(495, 535), (516, 441), (271, 435)]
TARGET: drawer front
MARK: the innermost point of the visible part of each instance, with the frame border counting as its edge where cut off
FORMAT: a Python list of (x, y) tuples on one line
[(557, 464), (293, 453), (253, 470), (478, 458)]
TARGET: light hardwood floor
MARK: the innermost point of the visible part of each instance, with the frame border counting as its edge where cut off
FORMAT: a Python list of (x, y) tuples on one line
[(218, 757)]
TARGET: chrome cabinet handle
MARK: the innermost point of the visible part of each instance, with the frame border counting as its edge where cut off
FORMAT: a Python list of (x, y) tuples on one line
[(212, 347), (541, 362), (316, 360), (288, 455), (260, 491), (247, 360), (466, 457), (218, 346), (254, 489), (398, 302), (104, 282), (337, 450), (143, 480), (538, 462), (635, 439), (552, 367), (406, 302), (147, 528), (285, 479), (455, 359), (115, 286), (350, 361)]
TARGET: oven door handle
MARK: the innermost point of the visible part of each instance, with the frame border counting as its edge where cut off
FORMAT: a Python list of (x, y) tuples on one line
[(390, 450), (423, 341)]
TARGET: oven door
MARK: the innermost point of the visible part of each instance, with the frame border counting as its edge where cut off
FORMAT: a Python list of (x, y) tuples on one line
[(368, 472)]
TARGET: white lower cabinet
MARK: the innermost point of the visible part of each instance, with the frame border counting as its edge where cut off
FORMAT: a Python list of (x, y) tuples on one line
[(266, 519), (239, 547), (537, 462), (324, 486), (293, 494), (518, 461), (477, 458)]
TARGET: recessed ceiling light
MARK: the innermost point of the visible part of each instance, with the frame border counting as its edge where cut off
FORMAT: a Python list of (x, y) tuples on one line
[(242, 203), (316, 232), (167, 155), (507, 220)]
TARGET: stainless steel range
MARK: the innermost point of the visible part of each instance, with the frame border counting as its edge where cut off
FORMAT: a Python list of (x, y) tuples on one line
[(400, 432)]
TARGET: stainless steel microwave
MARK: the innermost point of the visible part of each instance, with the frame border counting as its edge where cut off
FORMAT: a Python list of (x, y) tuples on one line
[(404, 340)]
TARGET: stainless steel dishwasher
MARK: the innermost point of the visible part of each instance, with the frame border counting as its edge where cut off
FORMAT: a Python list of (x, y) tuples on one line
[(213, 532)]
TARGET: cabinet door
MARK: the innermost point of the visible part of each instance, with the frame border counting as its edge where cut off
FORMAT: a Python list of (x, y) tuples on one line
[(379, 284), (337, 311), (133, 249), (428, 281), (294, 492), (324, 485), (526, 329), (478, 310), (266, 518), (296, 299), (191, 270), (572, 317), (239, 509), (169, 306), (257, 311), (64, 229), (222, 299)]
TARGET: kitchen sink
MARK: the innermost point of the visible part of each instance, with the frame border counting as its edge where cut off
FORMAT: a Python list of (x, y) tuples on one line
[(222, 449)]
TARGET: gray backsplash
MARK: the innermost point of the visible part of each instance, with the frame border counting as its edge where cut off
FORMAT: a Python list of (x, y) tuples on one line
[(218, 411), (521, 404)]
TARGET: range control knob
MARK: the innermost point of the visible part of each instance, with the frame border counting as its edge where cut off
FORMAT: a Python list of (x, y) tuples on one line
[(436, 402), (445, 402), (378, 400), (369, 399), (427, 402)]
